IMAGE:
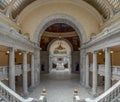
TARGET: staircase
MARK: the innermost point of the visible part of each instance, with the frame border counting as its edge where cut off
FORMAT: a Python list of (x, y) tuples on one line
[(8, 95), (111, 95)]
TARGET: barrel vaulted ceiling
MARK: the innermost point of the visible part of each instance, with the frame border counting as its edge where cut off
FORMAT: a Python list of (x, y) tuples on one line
[(104, 7)]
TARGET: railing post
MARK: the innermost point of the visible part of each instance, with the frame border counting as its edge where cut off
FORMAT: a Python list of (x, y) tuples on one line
[(43, 96), (75, 94)]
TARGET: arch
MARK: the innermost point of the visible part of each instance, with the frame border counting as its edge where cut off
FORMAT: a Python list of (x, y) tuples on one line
[(48, 47), (59, 18)]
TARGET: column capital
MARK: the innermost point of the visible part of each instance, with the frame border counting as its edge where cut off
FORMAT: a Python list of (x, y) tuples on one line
[(31, 53), (95, 52), (25, 52), (107, 49), (11, 49)]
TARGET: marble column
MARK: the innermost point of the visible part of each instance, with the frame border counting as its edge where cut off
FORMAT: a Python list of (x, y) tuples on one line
[(25, 78), (32, 71), (69, 63), (107, 69), (94, 83), (37, 65), (12, 68), (87, 70), (50, 63), (82, 67)]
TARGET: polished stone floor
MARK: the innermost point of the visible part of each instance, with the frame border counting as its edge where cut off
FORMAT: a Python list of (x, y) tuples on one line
[(60, 85)]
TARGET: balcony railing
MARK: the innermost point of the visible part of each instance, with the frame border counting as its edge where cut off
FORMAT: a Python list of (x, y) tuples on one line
[(115, 71), (8, 95), (4, 71)]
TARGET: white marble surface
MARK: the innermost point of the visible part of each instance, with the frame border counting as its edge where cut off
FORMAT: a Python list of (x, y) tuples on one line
[(60, 85)]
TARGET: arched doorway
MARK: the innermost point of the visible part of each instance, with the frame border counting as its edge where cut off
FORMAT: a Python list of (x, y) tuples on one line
[(63, 18)]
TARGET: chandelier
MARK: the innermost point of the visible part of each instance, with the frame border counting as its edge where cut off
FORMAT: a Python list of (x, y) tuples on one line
[(59, 44)]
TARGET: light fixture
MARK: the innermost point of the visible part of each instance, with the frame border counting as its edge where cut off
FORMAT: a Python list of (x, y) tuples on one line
[(20, 53), (7, 52), (59, 44), (111, 51), (100, 53)]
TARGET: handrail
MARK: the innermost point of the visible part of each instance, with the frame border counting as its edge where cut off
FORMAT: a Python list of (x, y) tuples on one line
[(110, 94), (11, 95)]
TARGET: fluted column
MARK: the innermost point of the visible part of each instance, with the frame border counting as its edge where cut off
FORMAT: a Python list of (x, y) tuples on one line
[(94, 83), (32, 71), (25, 79), (87, 70), (107, 69), (12, 68)]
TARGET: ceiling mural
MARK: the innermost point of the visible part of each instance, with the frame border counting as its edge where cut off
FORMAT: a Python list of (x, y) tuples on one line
[(102, 6), (75, 42), (60, 28)]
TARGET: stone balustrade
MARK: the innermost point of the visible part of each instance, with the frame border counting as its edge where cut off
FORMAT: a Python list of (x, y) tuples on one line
[(4, 70), (111, 95), (115, 71), (8, 95)]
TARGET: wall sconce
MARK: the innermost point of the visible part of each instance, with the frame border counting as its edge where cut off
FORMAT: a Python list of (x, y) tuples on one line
[(111, 51), (7, 52), (100, 53), (20, 53)]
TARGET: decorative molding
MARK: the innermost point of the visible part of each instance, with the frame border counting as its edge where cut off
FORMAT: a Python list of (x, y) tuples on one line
[(109, 37), (79, 3), (9, 37)]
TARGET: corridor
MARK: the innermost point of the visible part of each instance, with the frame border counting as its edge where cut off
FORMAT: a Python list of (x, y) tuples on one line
[(60, 85)]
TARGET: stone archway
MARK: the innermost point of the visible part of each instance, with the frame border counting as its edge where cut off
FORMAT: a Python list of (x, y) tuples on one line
[(64, 18), (59, 18)]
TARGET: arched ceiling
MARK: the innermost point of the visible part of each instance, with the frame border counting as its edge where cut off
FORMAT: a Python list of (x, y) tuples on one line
[(104, 7)]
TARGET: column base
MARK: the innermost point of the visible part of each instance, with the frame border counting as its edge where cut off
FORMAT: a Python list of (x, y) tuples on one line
[(82, 83), (25, 94), (31, 88), (88, 87)]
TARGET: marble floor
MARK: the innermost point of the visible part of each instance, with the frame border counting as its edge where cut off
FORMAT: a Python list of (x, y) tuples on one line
[(60, 85)]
